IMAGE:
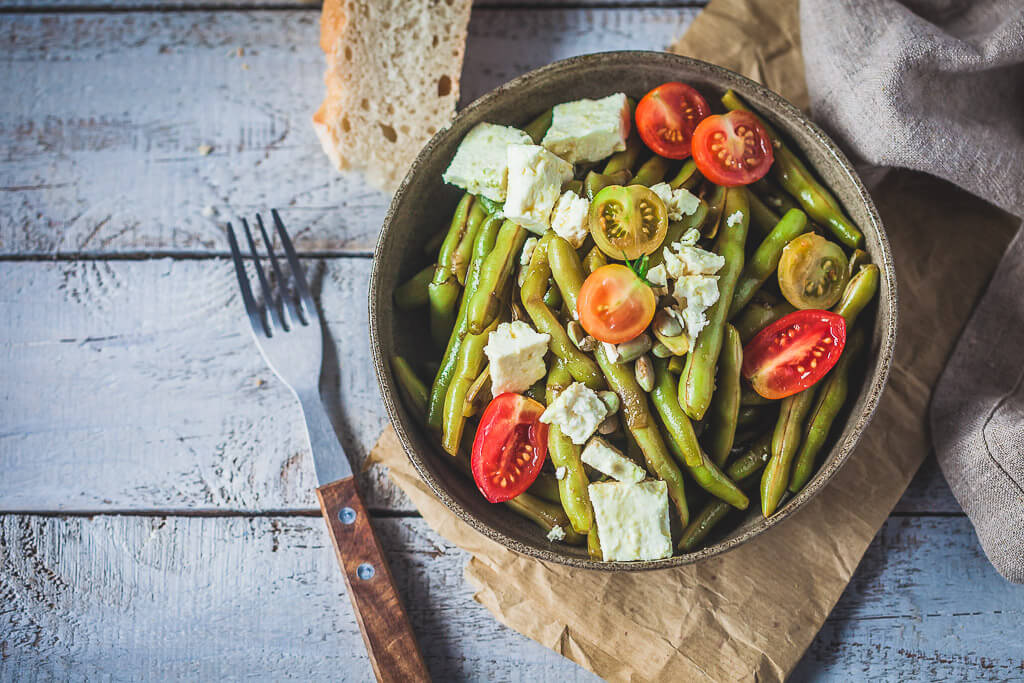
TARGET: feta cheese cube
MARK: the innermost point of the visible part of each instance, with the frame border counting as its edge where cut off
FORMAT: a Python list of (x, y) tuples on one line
[(679, 202), (695, 294), (535, 179), (557, 533), (480, 164), (588, 130), (516, 354), (570, 217), (632, 520), (578, 412), (607, 459)]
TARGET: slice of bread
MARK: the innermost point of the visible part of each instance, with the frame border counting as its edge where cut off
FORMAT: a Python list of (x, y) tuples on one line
[(393, 70)]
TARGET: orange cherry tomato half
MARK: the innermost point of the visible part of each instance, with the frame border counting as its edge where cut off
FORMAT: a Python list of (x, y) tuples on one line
[(667, 116), (794, 352), (732, 149), (510, 446), (614, 305)]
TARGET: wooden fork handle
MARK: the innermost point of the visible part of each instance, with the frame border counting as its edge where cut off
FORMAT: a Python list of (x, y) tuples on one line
[(382, 619)]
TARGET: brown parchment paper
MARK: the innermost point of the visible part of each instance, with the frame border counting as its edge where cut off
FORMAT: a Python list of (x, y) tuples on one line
[(751, 613)]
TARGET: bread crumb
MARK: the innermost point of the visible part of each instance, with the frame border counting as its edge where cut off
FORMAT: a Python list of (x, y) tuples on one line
[(204, 150)]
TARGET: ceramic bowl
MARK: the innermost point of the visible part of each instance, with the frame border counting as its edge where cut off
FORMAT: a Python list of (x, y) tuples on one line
[(423, 205)]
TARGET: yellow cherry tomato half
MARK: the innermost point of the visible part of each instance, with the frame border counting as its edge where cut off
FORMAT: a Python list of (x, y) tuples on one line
[(628, 222)]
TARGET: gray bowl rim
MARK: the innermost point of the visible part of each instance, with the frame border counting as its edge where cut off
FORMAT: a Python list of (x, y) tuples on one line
[(839, 453)]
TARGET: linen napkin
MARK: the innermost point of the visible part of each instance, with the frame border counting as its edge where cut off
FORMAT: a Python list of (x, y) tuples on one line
[(751, 613), (938, 86)]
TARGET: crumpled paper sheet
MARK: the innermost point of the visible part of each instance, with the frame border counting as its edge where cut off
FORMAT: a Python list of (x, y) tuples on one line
[(751, 613)]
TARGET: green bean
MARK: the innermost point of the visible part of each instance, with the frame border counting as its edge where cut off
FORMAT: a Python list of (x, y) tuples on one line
[(798, 181), (636, 413), (651, 172), (749, 415), (859, 292), (539, 126), (676, 365), (750, 398), (715, 197), (412, 386), (715, 511), (698, 380), (566, 269), (462, 257), (495, 274), (682, 441), (545, 487), (572, 487), (725, 403), (594, 544), (431, 246), (857, 259), (581, 366), (595, 182), (761, 312), (765, 259), (594, 259), (830, 401), (676, 229), (443, 290), (413, 293), (484, 244), (626, 159), (688, 177), (762, 218), (773, 196), (785, 441), (552, 297), (470, 361)]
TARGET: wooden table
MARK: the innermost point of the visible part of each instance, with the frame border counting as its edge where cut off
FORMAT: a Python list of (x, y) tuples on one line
[(159, 519)]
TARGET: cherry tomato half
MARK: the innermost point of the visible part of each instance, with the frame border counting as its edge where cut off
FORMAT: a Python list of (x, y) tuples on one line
[(614, 305), (628, 222), (732, 149), (667, 116), (813, 272), (794, 352), (510, 446)]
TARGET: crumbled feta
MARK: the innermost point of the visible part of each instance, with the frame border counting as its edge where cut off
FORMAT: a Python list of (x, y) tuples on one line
[(559, 473), (658, 276), (578, 412), (689, 238), (607, 459), (480, 164), (681, 260), (695, 294), (535, 179), (734, 218), (632, 519), (589, 130), (612, 351), (516, 354), (679, 202), (569, 218), (557, 533), (529, 246)]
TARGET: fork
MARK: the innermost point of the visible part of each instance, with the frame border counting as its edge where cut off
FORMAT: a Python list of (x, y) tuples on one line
[(288, 331)]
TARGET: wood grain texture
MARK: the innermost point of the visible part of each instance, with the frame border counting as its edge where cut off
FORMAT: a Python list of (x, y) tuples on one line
[(376, 604), (135, 385), (202, 598), (103, 158), (164, 5)]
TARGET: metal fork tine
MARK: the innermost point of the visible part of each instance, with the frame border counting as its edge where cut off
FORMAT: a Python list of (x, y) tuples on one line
[(256, 318), (284, 298), (268, 295), (305, 298)]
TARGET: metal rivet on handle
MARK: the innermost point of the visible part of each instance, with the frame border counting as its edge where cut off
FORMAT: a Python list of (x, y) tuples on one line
[(347, 515), (365, 571)]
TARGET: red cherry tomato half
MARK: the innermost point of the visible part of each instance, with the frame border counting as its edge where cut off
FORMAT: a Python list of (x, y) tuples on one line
[(614, 305), (667, 116), (510, 446), (794, 352), (732, 149)]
